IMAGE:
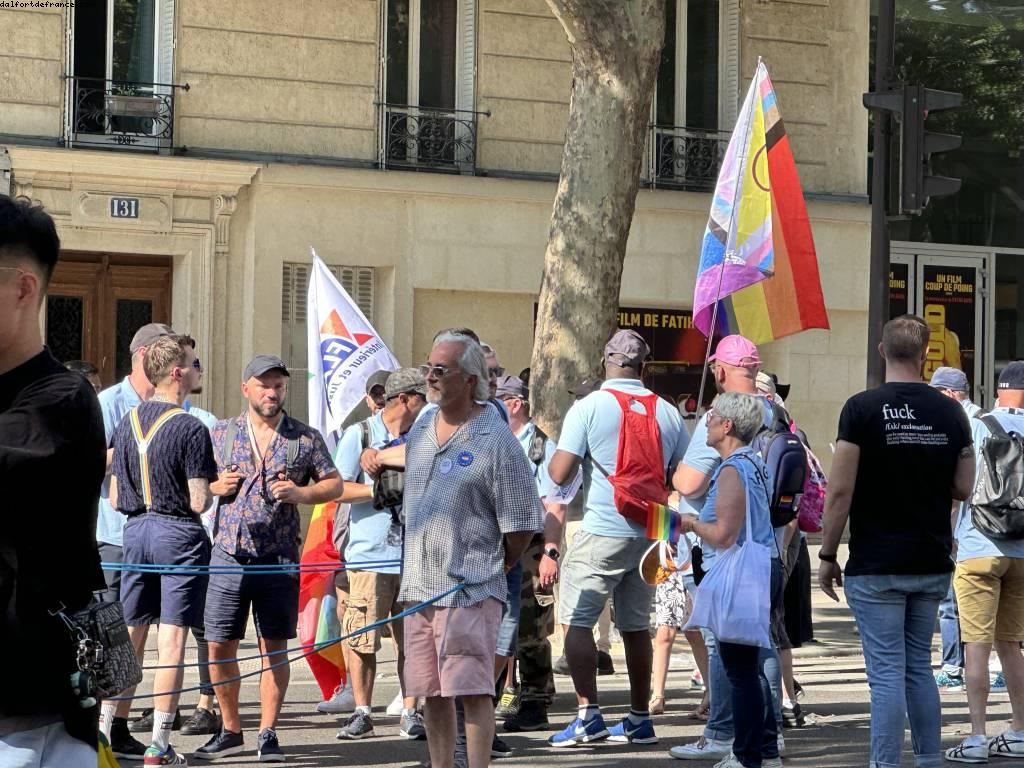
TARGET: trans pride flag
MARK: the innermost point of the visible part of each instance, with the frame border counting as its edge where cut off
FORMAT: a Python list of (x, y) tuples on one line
[(757, 260)]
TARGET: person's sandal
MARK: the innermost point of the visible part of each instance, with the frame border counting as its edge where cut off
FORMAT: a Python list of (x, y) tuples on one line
[(701, 712), (656, 706)]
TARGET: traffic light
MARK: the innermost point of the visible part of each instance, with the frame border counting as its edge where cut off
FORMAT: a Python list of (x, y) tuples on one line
[(911, 105)]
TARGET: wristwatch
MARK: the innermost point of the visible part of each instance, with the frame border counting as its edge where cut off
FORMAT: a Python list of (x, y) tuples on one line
[(553, 553), (826, 558)]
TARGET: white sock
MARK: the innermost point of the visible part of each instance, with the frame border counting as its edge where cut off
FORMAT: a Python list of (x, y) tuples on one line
[(107, 710), (162, 722), (408, 712), (364, 710), (1014, 734), (588, 712)]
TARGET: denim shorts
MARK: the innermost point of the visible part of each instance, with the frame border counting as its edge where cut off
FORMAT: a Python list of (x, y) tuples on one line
[(165, 598), (274, 598), (599, 567), (508, 631)]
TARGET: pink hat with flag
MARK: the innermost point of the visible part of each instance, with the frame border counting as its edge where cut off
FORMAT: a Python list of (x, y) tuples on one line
[(737, 350)]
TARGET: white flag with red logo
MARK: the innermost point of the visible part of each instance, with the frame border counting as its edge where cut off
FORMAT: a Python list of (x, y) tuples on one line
[(344, 351)]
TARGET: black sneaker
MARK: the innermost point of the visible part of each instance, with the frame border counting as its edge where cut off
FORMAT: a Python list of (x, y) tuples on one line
[(358, 726), (509, 703), (123, 744), (798, 690), (532, 716), (267, 748), (223, 744), (144, 724), (561, 666), (792, 717), (499, 748), (203, 722), (604, 663)]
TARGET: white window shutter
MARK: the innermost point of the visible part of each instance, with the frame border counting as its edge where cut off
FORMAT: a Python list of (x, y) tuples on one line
[(729, 64), (465, 68), (165, 43)]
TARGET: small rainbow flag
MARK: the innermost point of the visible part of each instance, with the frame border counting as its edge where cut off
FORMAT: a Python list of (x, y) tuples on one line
[(663, 523)]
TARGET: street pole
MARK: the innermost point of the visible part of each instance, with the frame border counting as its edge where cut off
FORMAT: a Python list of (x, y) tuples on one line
[(878, 281)]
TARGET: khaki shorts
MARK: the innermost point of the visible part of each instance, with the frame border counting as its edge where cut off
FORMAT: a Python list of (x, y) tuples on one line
[(990, 595), (373, 596)]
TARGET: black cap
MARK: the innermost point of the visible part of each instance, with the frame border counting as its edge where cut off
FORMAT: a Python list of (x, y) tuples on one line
[(377, 379), (585, 387), (263, 363), (1012, 376)]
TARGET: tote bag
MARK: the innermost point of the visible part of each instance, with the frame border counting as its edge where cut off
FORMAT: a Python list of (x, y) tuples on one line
[(734, 597)]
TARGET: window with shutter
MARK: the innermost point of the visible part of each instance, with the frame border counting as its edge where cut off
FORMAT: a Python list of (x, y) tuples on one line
[(358, 282)]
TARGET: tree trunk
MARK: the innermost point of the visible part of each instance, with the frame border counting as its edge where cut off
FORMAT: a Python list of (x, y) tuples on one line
[(616, 47)]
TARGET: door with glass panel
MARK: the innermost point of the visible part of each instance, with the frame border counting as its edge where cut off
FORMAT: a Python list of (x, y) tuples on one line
[(95, 304)]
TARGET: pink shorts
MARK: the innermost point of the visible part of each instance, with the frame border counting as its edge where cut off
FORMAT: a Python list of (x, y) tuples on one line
[(450, 651)]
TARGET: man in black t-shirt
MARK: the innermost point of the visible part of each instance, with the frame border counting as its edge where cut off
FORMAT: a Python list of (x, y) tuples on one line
[(160, 478), (52, 460), (902, 455)]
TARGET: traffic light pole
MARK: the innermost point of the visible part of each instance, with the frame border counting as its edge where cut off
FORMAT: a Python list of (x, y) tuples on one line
[(878, 281)]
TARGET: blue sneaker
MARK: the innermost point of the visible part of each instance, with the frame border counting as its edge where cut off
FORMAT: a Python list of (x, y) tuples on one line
[(998, 683), (633, 734), (579, 732)]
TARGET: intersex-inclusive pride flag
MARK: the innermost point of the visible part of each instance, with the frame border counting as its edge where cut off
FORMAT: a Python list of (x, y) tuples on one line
[(344, 350), (757, 260)]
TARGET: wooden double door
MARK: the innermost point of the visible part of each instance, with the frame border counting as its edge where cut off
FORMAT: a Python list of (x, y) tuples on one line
[(96, 303)]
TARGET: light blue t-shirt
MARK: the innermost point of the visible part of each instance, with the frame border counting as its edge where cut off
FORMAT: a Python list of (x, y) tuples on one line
[(208, 419), (374, 534), (970, 542), (592, 426), (540, 471), (755, 479), (115, 402)]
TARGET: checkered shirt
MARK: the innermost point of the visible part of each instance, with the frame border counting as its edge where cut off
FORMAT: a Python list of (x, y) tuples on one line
[(459, 501)]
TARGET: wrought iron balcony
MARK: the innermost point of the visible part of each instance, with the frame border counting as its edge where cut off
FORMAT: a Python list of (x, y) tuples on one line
[(428, 139), (685, 158), (119, 113)]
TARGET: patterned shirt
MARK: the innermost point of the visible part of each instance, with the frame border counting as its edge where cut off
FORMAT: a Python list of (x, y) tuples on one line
[(253, 523), (460, 499)]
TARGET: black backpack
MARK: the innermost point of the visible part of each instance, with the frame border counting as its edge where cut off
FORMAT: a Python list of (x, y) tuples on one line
[(997, 504), (786, 459), (536, 452)]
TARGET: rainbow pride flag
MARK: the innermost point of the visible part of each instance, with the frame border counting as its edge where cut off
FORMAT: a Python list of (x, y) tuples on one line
[(757, 261), (317, 604), (662, 523)]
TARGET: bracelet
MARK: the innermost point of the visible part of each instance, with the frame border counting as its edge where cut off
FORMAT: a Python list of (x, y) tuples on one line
[(826, 558)]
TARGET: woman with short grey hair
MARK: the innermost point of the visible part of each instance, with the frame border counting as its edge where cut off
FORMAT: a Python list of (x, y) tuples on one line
[(740, 484)]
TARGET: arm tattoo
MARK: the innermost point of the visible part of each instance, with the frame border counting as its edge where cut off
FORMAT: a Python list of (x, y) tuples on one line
[(199, 494)]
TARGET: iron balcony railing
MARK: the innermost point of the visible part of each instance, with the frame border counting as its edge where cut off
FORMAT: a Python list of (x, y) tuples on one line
[(120, 113), (428, 139), (685, 158)]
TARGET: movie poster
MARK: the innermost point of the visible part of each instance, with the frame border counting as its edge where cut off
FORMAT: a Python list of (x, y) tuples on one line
[(948, 306), (899, 277)]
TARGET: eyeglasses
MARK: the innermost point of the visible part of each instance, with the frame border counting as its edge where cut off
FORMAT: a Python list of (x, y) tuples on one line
[(437, 371), (14, 269), (708, 416), (197, 365), (496, 372)]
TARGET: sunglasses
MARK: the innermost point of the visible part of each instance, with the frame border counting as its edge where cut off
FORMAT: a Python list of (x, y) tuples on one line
[(437, 371), (197, 365)]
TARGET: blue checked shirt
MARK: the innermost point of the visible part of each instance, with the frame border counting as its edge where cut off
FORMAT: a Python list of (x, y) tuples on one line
[(460, 500)]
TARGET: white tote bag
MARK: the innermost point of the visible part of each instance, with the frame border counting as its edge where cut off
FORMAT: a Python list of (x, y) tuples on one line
[(734, 597)]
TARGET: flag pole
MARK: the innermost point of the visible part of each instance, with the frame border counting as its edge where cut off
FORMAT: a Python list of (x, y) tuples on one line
[(725, 255)]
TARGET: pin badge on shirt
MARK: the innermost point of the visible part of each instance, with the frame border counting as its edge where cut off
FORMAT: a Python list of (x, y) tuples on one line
[(445, 466), (465, 459)]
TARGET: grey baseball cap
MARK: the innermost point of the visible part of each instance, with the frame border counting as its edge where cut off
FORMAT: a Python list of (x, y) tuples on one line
[(147, 334), (377, 379), (950, 378), (263, 363), (405, 381), (512, 386), (627, 349), (1012, 376)]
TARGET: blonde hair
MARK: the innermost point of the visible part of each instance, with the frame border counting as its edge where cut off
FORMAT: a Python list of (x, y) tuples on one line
[(164, 355)]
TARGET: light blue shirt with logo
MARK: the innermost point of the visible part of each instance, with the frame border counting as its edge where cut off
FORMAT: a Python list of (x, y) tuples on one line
[(540, 471), (374, 535), (592, 427), (970, 542)]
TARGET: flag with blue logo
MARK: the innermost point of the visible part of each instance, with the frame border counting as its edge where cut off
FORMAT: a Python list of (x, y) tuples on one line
[(344, 350)]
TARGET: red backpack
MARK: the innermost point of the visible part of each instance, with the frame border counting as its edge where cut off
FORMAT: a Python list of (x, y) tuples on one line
[(639, 477)]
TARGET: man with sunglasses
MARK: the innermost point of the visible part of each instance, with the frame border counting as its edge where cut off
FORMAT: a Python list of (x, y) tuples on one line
[(375, 539), (268, 464)]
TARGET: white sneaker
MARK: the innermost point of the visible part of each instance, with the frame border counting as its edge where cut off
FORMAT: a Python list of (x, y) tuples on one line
[(969, 753), (702, 749), (782, 745), (729, 761), (395, 707), (1006, 744), (771, 762), (341, 702)]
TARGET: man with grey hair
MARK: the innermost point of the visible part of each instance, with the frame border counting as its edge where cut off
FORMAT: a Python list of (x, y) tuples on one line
[(471, 508)]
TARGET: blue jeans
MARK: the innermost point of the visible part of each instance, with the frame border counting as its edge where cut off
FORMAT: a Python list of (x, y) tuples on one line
[(720, 721), (896, 618), (949, 628)]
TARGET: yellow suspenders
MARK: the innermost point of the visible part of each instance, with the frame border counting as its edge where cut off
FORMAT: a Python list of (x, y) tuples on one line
[(142, 442)]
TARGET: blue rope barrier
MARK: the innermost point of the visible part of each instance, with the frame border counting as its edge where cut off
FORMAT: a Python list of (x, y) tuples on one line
[(255, 568), (315, 648)]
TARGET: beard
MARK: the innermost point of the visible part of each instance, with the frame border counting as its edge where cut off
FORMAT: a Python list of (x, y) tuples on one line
[(270, 410), (434, 396), (196, 391)]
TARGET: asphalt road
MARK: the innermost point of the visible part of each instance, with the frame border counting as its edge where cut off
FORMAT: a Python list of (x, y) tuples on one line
[(831, 671)]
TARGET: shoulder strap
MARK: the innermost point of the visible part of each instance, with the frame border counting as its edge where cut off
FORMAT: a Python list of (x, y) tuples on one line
[(990, 421), (364, 428), (537, 445), (227, 450), (291, 454)]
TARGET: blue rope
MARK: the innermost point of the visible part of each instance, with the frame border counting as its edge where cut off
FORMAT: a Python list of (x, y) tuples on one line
[(315, 648), (256, 568)]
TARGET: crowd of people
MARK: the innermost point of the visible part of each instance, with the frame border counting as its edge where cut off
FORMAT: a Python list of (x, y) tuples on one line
[(453, 499)]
